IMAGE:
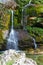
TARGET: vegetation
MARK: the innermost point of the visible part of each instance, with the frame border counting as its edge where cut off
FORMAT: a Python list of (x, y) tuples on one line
[(35, 32), (37, 58), (24, 2)]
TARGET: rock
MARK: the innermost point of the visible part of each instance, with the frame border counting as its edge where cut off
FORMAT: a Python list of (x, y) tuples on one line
[(25, 40), (16, 57), (10, 4)]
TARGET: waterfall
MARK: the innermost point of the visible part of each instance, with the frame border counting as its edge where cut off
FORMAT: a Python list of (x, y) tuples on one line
[(12, 41), (35, 43), (30, 1), (24, 19), (12, 20)]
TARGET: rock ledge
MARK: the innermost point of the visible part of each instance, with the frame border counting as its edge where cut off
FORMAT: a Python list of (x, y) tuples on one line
[(12, 57)]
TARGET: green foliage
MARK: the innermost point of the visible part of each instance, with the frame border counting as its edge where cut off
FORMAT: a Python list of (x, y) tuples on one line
[(24, 2), (40, 20), (35, 32), (37, 1), (31, 11)]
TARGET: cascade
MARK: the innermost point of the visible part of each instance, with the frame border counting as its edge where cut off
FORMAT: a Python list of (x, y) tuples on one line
[(12, 41)]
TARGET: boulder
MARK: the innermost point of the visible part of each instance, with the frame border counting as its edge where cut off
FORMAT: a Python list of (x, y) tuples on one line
[(9, 4), (12, 57), (25, 40)]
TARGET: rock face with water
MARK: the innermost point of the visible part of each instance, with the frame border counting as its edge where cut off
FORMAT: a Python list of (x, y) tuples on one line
[(12, 57)]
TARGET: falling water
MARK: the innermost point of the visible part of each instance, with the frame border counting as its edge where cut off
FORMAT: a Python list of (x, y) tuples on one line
[(24, 19), (12, 41), (35, 43), (30, 1), (12, 20)]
